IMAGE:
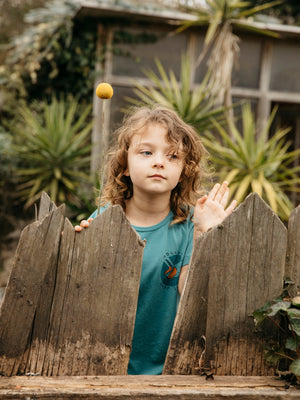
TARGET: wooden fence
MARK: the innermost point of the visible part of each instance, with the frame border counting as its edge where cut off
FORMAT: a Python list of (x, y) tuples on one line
[(69, 307)]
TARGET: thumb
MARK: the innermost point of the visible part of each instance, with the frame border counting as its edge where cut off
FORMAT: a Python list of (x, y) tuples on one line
[(202, 200)]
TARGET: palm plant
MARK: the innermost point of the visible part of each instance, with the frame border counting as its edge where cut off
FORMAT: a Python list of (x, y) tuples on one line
[(263, 165), (53, 150), (194, 104), (221, 16)]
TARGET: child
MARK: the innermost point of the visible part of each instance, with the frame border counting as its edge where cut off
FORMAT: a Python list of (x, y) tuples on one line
[(155, 175)]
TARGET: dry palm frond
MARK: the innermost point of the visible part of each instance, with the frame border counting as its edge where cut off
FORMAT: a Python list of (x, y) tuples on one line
[(224, 57)]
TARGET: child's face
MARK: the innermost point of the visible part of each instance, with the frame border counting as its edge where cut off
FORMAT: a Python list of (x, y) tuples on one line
[(153, 166)]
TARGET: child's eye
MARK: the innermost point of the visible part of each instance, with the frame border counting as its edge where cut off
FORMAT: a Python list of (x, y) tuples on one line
[(173, 156), (146, 153)]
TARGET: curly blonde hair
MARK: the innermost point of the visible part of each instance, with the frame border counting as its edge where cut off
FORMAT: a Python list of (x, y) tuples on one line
[(118, 187)]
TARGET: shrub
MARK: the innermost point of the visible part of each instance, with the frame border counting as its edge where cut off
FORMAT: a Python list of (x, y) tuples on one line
[(255, 164), (53, 150)]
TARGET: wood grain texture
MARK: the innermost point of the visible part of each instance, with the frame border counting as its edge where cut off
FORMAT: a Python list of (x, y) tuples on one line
[(145, 388), (73, 296), (69, 307), (25, 305), (235, 268), (95, 300), (45, 206), (292, 270)]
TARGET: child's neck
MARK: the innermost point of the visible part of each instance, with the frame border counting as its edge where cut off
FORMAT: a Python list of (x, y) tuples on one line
[(146, 212)]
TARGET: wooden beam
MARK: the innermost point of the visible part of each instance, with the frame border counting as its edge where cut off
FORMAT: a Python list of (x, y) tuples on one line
[(96, 133), (145, 388), (104, 74)]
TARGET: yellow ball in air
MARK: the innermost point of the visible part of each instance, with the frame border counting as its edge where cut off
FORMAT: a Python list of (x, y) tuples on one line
[(104, 91)]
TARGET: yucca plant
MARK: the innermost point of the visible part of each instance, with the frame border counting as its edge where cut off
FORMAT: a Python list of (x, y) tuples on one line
[(253, 162), (193, 103), (221, 16), (53, 150)]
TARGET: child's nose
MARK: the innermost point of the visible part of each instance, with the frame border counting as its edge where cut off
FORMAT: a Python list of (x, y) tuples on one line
[(158, 161)]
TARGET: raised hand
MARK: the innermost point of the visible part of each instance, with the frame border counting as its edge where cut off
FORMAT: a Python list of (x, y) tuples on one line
[(210, 209)]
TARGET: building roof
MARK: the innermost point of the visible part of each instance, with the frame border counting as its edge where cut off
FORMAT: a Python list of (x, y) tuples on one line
[(155, 14), (137, 13)]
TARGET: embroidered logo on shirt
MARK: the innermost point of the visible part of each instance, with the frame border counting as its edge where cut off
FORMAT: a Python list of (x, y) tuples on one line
[(170, 269)]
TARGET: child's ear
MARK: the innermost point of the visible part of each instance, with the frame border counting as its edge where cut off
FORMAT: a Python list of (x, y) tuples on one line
[(126, 172)]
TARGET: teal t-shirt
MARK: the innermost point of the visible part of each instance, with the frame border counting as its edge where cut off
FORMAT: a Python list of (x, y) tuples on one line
[(168, 248)]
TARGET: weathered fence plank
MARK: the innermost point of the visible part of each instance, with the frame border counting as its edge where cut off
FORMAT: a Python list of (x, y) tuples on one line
[(46, 206), (95, 299), (235, 268), (293, 250), (24, 302), (88, 281), (74, 295)]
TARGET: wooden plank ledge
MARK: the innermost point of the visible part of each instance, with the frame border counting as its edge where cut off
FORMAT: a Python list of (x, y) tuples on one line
[(145, 387)]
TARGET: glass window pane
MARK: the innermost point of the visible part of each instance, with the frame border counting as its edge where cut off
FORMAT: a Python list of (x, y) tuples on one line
[(146, 45), (285, 67), (247, 70), (202, 67)]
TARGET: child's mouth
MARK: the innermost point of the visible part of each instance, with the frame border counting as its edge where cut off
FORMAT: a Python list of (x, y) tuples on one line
[(157, 176)]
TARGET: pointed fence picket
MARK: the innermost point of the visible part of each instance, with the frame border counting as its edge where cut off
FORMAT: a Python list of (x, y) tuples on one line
[(69, 307), (235, 269), (70, 303)]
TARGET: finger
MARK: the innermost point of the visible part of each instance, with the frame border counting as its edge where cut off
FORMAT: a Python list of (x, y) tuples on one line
[(224, 199), (223, 191), (212, 194), (200, 203), (231, 207), (78, 228), (90, 219), (202, 200), (84, 224)]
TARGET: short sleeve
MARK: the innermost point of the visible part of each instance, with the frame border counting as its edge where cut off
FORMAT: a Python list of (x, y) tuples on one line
[(189, 247)]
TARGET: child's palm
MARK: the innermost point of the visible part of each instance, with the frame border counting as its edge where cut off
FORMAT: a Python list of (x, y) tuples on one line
[(210, 210)]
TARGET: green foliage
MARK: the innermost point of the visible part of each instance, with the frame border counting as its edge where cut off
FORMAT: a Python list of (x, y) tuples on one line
[(7, 173), (51, 56), (12, 16), (57, 53), (288, 12), (219, 12), (8, 165), (255, 164), (53, 149), (193, 103), (84, 204), (284, 312), (7, 161)]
